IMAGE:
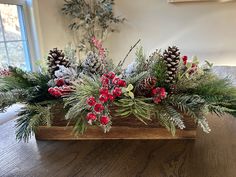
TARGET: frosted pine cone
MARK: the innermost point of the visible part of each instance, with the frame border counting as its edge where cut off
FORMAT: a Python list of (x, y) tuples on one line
[(145, 86), (55, 58), (93, 64)]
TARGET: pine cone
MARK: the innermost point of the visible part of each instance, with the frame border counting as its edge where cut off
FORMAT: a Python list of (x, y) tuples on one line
[(145, 86), (55, 58), (171, 58), (93, 64)]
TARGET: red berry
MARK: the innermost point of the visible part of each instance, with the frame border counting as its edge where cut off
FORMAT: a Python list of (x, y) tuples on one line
[(121, 83), (156, 100), (57, 93), (91, 101), (111, 97), (185, 59), (162, 92), (155, 91), (116, 80), (103, 98), (104, 120), (60, 82), (105, 81), (103, 90), (194, 65), (98, 107), (111, 75), (117, 92), (91, 116), (51, 90), (163, 95)]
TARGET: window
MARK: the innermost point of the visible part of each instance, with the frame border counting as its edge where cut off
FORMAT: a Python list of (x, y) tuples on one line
[(14, 49)]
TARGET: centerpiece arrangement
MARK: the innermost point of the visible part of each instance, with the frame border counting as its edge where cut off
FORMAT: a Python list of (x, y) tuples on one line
[(165, 89)]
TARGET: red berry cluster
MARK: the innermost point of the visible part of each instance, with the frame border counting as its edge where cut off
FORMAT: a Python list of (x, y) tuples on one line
[(61, 89), (194, 67), (98, 45), (4, 73), (159, 94), (97, 109), (111, 89)]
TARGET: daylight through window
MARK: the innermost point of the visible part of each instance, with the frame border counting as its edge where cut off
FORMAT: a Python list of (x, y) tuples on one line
[(13, 41)]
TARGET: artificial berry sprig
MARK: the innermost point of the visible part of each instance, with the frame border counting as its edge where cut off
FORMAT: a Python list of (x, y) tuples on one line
[(98, 45), (185, 59), (5, 72), (60, 91), (191, 67), (159, 94), (110, 90)]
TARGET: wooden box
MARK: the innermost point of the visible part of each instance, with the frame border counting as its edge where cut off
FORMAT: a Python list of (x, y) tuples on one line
[(122, 128)]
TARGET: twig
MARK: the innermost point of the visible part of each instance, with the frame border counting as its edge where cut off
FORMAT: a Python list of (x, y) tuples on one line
[(132, 47)]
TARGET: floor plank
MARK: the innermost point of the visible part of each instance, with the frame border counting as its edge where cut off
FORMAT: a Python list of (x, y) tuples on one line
[(211, 155)]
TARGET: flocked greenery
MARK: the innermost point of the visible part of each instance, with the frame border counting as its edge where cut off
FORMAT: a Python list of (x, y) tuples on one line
[(195, 93)]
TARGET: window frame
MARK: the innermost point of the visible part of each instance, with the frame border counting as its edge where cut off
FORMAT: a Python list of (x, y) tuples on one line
[(30, 29)]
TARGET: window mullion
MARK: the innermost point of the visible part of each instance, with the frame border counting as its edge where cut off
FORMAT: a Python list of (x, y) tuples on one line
[(4, 39)]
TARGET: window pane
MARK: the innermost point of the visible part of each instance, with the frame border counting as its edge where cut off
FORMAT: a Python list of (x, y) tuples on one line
[(16, 54), (3, 56), (10, 22)]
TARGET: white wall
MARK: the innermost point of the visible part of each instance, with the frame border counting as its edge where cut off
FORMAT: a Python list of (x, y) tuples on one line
[(204, 29)]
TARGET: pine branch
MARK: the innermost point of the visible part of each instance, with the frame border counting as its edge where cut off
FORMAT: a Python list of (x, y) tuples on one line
[(174, 116), (29, 118), (33, 86), (76, 102), (140, 60), (10, 97), (136, 78), (164, 119), (84, 89), (204, 125), (159, 69), (193, 106), (80, 125)]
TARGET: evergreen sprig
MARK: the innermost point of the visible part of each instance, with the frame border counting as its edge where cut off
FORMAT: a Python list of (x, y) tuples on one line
[(9, 98), (193, 106), (22, 86), (136, 107), (76, 102), (29, 118), (133, 79)]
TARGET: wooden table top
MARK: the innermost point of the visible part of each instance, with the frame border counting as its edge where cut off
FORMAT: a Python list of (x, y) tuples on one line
[(211, 155)]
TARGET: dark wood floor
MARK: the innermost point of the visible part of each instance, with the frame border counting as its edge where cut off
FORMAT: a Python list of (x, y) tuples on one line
[(212, 155)]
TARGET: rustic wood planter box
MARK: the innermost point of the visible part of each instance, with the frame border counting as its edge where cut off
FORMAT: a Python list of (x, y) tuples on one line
[(122, 128)]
